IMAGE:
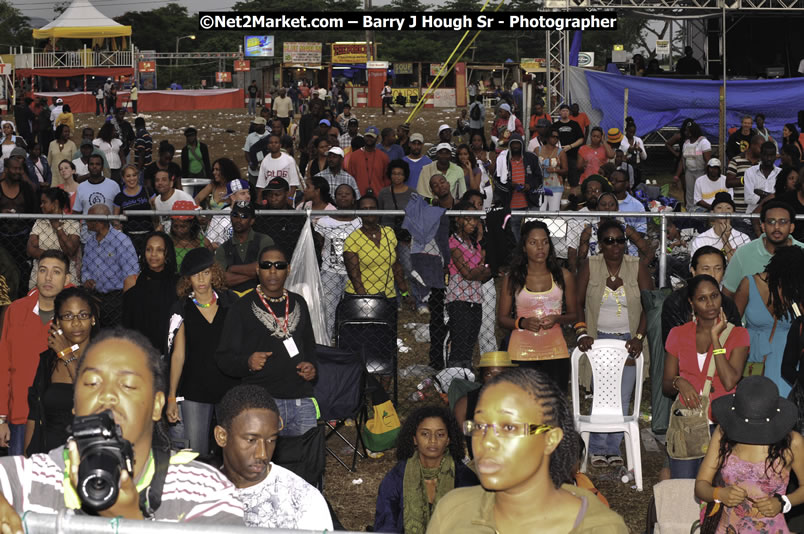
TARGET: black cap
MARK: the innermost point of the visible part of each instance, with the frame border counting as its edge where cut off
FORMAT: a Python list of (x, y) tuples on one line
[(277, 184), (190, 131), (243, 207), (723, 196), (353, 121), (197, 260)]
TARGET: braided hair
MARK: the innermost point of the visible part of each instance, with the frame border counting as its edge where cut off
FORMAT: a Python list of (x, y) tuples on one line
[(519, 263), (784, 285), (557, 412)]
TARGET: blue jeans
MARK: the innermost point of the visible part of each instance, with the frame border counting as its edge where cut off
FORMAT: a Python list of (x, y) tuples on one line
[(252, 106), (298, 415), (193, 428), (608, 443), (16, 445)]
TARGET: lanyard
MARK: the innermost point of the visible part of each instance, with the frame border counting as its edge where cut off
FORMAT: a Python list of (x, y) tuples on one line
[(287, 306)]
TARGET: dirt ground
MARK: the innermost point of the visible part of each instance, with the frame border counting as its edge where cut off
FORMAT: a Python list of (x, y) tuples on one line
[(353, 495)]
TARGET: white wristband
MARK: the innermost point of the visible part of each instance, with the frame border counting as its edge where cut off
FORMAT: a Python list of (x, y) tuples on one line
[(787, 504)]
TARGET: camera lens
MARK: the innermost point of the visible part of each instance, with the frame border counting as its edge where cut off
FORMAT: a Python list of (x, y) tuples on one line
[(98, 480)]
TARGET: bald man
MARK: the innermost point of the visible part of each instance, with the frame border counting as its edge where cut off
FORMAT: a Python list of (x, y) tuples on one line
[(109, 266)]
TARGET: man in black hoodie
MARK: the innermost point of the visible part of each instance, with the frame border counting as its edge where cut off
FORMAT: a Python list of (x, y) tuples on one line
[(519, 179)]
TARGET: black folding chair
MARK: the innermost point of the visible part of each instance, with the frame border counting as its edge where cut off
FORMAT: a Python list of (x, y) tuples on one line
[(367, 324), (304, 455), (339, 391)]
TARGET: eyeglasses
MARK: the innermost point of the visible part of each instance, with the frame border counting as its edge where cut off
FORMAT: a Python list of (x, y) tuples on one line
[(612, 240), (777, 222), (69, 317), (504, 430), (280, 265)]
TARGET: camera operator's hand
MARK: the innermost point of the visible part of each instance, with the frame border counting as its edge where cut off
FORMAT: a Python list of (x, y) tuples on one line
[(10, 522), (128, 500)]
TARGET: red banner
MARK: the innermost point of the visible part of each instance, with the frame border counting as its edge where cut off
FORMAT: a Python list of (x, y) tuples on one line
[(147, 66), (242, 65), (223, 77)]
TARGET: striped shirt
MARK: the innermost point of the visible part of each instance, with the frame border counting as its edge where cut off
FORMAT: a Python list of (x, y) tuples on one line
[(334, 180), (518, 199), (738, 165), (192, 492)]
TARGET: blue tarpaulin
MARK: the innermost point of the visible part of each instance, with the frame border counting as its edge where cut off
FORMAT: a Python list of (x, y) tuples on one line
[(658, 102), (575, 47)]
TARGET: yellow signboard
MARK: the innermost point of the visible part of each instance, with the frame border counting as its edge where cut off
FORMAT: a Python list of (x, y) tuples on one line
[(407, 92), (349, 53)]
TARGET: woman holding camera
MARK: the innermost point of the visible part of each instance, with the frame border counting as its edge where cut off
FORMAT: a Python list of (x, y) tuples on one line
[(120, 375), (51, 395)]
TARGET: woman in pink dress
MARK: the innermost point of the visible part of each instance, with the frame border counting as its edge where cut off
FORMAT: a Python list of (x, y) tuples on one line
[(593, 155), (531, 302), (745, 472)]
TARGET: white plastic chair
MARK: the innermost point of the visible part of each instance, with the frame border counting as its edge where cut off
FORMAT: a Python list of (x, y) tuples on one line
[(607, 359)]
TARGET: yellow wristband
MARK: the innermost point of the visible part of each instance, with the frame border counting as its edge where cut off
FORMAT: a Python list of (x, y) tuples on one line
[(718, 351), (716, 494)]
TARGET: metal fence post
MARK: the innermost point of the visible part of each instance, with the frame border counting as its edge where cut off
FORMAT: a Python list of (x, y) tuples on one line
[(663, 252)]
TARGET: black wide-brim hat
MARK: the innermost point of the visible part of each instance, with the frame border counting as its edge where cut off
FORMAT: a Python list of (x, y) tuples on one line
[(755, 414), (197, 260)]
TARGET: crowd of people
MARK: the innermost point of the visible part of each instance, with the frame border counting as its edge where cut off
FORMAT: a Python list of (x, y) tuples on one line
[(181, 325)]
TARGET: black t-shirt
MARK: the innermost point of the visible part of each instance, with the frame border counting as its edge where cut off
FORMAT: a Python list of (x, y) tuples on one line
[(738, 142), (252, 91), (140, 201), (569, 132), (283, 229), (798, 207), (250, 328)]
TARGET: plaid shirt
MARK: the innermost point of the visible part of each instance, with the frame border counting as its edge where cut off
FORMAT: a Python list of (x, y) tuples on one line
[(342, 177), (345, 140)]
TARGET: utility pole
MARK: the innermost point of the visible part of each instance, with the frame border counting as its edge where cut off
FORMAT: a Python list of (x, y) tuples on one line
[(367, 8)]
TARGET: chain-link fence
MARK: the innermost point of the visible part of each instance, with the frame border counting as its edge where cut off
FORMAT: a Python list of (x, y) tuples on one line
[(422, 313)]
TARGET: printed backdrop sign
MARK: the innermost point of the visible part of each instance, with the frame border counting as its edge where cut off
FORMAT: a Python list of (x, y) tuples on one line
[(349, 53), (302, 53)]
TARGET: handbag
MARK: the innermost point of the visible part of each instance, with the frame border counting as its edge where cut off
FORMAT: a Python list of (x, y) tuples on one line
[(758, 368), (688, 430)]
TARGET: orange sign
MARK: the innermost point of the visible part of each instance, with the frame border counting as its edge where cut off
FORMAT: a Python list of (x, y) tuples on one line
[(223, 77), (147, 66), (242, 65)]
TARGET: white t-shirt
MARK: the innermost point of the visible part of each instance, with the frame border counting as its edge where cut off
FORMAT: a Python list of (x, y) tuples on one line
[(252, 138), (111, 151), (334, 233), (706, 189), (283, 167), (89, 194), (736, 240), (167, 205), (693, 153), (81, 168), (284, 500), (754, 179)]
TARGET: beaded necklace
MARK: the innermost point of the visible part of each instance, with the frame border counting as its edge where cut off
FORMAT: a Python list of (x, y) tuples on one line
[(208, 304)]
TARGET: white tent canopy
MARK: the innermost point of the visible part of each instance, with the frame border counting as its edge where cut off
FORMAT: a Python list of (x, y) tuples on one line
[(81, 20)]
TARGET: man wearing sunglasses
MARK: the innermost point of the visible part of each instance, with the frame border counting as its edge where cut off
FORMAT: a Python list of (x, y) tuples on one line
[(238, 255), (268, 341)]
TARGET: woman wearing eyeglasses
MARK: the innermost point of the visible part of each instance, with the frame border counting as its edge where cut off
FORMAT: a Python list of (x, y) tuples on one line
[(429, 451), (525, 449), (196, 325), (268, 340), (50, 397), (609, 307)]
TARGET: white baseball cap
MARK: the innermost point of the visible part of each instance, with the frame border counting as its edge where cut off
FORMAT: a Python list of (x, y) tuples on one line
[(443, 146), (336, 150)]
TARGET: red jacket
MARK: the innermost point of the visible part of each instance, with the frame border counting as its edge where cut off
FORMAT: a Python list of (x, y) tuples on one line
[(23, 339), (368, 169)]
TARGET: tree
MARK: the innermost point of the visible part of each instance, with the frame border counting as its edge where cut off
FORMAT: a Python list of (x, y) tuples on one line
[(14, 26)]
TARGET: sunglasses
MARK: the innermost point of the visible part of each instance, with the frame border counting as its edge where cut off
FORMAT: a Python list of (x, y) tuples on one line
[(612, 240), (280, 265), (241, 215)]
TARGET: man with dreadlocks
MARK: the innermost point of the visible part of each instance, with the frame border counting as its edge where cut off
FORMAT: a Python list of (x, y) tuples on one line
[(777, 223), (769, 301)]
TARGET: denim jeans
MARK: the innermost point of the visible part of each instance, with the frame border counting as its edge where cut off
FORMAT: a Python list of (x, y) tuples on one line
[(608, 443), (192, 430), (252, 106), (516, 223), (16, 444), (298, 415), (417, 290), (464, 325)]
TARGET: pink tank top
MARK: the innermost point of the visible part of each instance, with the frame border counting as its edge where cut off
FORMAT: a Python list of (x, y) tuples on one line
[(527, 345)]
